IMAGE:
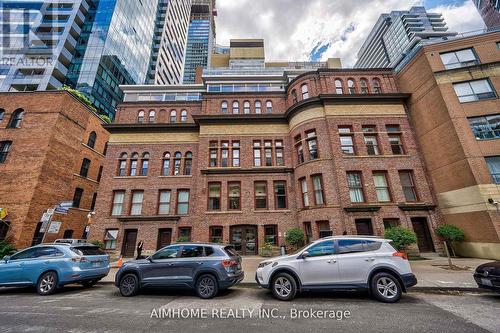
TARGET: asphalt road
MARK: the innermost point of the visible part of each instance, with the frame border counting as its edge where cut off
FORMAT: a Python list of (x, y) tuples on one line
[(102, 309)]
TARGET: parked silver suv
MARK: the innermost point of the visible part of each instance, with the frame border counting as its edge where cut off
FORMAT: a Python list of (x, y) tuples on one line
[(333, 263)]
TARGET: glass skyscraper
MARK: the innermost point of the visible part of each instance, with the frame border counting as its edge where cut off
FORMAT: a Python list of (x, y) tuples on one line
[(201, 36), (118, 48)]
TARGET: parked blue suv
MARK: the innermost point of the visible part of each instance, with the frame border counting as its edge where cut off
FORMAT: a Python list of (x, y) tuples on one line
[(50, 266), (206, 268)]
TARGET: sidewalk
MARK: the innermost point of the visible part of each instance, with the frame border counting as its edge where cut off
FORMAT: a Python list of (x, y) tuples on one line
[(431, 274)]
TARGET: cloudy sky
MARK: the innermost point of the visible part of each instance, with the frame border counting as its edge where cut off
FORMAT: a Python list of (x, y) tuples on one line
[(320, 29)]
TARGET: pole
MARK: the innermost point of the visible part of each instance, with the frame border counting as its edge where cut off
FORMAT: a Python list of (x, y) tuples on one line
[(47, 228)]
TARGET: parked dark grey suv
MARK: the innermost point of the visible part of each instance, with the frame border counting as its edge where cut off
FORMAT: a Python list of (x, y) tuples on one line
[(206, 268)]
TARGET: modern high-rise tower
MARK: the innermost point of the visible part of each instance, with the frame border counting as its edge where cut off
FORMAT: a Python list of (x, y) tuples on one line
[(398, 32), (201, 37), (490, 12)]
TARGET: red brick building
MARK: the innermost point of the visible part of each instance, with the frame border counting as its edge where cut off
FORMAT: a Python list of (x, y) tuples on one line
[(245, 155), (51, 150)]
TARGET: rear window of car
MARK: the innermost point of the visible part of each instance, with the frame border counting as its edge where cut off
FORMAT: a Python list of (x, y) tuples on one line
[(191, 251), (209, 251), (372, 245), (357, 245), (231, 251), (88, 251)]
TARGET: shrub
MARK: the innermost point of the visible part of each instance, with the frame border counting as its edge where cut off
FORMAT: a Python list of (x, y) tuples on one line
[(295, 237), (183, 239), (98, 243), (401, 237), (80, 96), (6, 249), (105, 118)]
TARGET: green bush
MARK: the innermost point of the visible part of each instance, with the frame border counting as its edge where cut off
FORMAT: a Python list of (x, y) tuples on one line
[(401, 237), (183, 239), (80, 96), (295, 237), (98, 243), (450, 233), (105, 118), (6, 249)]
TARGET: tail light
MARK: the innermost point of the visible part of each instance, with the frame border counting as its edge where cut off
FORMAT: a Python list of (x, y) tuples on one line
[(401, 255), (229, 263), (79, 259)]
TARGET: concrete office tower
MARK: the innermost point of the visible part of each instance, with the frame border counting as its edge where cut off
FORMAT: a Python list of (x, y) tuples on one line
[(201, 38), (398, 32), (490, 12), (169, 43), (91, 45)]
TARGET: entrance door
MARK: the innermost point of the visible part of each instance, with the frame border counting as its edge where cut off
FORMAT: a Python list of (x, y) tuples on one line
[(424, 239), (364, 227), (129, 240), (164, 238), (244, 239)]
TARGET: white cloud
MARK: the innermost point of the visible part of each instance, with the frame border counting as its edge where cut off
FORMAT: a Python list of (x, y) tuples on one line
[(292, 28)]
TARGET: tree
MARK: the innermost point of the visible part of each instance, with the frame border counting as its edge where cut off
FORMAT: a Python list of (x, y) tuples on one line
[(295, 237), (450, 234), (98, 243), (401, 237)]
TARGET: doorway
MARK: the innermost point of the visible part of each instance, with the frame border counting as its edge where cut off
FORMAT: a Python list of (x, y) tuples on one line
[(129, 240), (244, 239), (364, 227), (164, 238), (424, 239)]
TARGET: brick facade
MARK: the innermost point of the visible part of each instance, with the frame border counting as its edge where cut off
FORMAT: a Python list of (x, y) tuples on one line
[(43, 165), (207, 128)]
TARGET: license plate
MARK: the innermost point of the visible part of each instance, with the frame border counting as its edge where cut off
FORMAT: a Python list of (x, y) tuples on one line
[(486, 282), (96, 264)]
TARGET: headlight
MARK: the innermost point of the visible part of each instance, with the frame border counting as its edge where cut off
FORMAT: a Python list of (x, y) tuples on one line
[(265, 263)]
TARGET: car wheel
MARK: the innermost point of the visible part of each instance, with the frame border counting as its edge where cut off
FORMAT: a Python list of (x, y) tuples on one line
[(206, 286), (386, 288), (129, 285), (47, 284), (284, 287)]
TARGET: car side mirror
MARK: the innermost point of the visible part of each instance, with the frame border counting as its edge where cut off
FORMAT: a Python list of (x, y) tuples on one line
[(6, 259), (304, 255), (150, 259)]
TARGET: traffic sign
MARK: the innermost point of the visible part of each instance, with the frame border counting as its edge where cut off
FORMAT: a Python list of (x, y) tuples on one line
[(44, 226), (46, 217), (66, 204), (61, 210), (3, 213), (54, 227), (50, 211)]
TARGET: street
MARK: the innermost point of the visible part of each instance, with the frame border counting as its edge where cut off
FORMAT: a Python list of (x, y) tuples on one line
[(102, 309)]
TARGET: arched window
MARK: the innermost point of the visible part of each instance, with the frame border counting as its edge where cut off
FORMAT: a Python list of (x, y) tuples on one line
[(134, 159), (377, 89), (339, 89), (223, 107), (173, 116), (165, 168), (91, 140), (140, 117), (145, 164), (177, 163), (258, 107), (2, 112), (351, 86), (152, 116), (16, 119), (184, 116), (305, 91), (269, 107), (122, 165), (188, 163), (363, 84), (236, 107), (295, 99), (4, 150), (246, 107)]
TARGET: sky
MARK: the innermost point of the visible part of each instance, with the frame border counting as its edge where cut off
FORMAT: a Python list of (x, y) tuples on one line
[(302, 30)]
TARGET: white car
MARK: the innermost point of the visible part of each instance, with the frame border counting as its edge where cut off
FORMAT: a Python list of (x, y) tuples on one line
[(339, 263)]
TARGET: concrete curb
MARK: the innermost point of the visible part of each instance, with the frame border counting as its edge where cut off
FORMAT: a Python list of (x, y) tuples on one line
[(418, 289)]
